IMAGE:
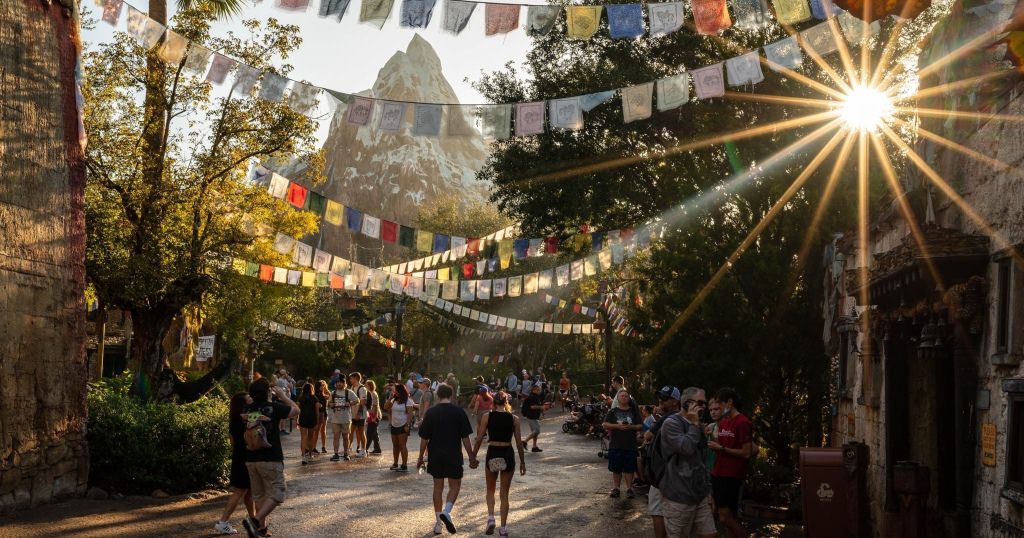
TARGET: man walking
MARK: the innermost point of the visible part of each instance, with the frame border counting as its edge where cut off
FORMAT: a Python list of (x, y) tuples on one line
[(685, 486), (358, 413), (426, 397), (511, 382), (668, 398), (342, 402), (532, 407), (444, 426), (266, 465), (734, 447)]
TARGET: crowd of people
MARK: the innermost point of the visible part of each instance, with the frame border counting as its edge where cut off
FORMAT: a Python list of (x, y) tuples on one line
[(692, 452)]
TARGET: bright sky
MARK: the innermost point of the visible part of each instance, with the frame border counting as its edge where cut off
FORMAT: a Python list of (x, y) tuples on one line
[(346, 55)]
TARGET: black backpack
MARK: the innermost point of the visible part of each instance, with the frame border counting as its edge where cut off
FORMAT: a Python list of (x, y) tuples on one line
[(657, 460)]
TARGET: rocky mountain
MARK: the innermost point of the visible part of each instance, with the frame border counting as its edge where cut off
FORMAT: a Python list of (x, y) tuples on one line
[(390, 174)]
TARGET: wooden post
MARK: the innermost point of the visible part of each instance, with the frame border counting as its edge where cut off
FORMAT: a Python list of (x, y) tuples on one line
[(101, 336)]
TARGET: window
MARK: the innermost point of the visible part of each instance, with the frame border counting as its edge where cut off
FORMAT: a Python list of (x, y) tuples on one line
[(1003, 291), (1014, 487)]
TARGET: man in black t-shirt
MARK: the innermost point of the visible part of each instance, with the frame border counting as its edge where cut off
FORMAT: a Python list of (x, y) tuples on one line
[(532, 407), (444, 426), (266, 465)]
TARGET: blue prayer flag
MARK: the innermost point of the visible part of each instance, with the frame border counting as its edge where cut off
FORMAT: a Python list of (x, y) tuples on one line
[(625, 21), (440, 243), (353, 219), (596, 241), (591, 100), (521, 246)]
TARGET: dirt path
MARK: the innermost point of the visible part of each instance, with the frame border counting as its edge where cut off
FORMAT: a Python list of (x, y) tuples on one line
[(564, 493)]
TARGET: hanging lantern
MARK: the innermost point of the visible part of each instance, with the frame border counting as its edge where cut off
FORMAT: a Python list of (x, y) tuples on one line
[(877, 9)]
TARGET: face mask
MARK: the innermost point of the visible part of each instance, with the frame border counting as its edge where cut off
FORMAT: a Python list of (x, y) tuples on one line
[(726, 411)]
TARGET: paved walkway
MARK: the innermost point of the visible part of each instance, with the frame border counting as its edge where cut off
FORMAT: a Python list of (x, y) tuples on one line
[(564, 493)]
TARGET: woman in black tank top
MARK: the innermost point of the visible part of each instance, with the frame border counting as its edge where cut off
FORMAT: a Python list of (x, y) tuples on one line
[(502, 428)]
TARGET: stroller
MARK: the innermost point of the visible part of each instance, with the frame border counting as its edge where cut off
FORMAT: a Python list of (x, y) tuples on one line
[(583, 418)]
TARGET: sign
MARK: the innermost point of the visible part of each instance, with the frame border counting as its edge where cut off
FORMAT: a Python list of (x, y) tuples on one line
[(205, 351), (988, 445)]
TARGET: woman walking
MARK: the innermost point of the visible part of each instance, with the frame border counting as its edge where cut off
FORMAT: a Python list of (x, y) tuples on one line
[(309, 420), (501, 426), (239, 479), (323, 394), (372, 417), (400, 407)]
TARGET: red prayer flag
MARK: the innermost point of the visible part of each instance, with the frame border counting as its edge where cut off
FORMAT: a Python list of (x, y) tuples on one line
[(473, 247), (577, 308), (297, 195), (584, 228), (551, 245), (266, 272), (388, 231), (467, 270)]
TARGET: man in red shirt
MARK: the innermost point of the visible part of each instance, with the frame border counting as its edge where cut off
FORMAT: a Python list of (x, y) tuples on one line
[(734, 447)]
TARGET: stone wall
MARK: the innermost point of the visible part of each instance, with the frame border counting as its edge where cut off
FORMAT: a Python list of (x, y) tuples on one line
[(43, 452)]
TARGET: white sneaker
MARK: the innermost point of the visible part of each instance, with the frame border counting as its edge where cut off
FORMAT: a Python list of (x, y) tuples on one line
[(437, 528), (223, 527)]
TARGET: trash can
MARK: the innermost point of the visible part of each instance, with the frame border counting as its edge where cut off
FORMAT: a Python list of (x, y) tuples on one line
[(824, 483)]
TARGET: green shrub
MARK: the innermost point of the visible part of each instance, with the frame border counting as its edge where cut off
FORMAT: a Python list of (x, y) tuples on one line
[(137, 447)]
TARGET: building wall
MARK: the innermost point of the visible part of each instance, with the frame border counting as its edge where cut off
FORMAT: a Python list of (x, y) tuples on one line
[(42, 252)]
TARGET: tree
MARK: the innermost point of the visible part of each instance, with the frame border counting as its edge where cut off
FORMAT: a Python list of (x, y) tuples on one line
[(165, 214), (758, 329)]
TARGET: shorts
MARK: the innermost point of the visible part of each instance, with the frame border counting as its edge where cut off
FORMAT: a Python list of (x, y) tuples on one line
[(267, 479), (534, 425), (358, 422), (308, 424), (501, 452), (654, 502), (439, 468), (622, 461), (345, 428), (688, 519), (399, 430), (726, 490), (239, 478)]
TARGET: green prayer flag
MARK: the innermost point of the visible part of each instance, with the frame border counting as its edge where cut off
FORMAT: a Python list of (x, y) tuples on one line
[(317, 203), (322, 280), (253, 269), (407, 237)]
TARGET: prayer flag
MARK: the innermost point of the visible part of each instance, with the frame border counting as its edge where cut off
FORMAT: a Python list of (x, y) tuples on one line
[(481, 267), (751, 14), (294, 277), (562, 275), (791, 11), (278, 186), (424, 241), (673, 91), (467, 290), (371, 227), (853, 28), (496, 121), (711, 16), (820, 39), (590, 265), (266, 272), (272, 86), (456, 15), (359, 111), (505, 253), (392, 116), (297, 195), (529, 118), (625, 21), (322, 261), (566, 114), (449, 290), (245, 78), (197, 59), (112, 11), (304, 98), (316, 203), (605, 259), (544, 279), (329, 8), (334, 212), (582, 21), (822, 9), (407, 237), (339, 266), (520, 247), (500, 18), (515, 286), (636, 102), (219, 68), (592, 100), (280, 275), (540, 19), (353, 220), (252, 269), (416, 13), (473, 247), (499, 287), (388, 231), (431, 288), (576, 271), (284, 244), (293, 5), (665, 17), (375, 11), (173, 49), (303, 254), (137, 24), (426, 120), (783, 54), (536, 248), (551, 245), (483, 290), (596, 240), (440, 242), (378, 279), (444, 273), (151, 33), (708, 81), (744, 69)]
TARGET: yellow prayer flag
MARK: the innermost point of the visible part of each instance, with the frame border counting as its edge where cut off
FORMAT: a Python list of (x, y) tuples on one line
[(334, 213), (582, 21), (792, 11), (308, 279), (505, 252), (424, 241), (444, 274)]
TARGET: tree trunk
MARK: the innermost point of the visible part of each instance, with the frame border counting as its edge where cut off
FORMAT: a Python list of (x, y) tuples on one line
[(150, 326)]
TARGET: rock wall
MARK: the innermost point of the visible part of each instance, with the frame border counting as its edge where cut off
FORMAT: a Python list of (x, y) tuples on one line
[(43, 372)]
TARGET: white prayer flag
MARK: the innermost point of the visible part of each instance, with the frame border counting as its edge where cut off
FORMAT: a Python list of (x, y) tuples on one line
[(498, 287), (198, 58), (396, 284), (392, 116), (294, 277), (450, 290), (544, 279), (280, 275), (530, 284), (636, 102), (272, 87), (304, 97), (483, 289), (431, 288), (566, 114), (496, 121), (784, 54), (853, 28), (744, 69), (576, 271), (371, 226), (665, 17), (467, 290), (322, 261), (456, 15), (245, 79), (708, 81), (673, 91), (820, 39), (515, 286), (378, 280), (284, 243), (426, 120), (340, 266), (562, 275), (303, 254)]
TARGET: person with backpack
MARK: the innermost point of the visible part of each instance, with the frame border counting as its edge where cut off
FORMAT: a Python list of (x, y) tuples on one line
[(239, 478), (735, 447), (343, 400), (264, 457), (623, 422), (426, 397), (677, 468), (358, 413), (668, 398)]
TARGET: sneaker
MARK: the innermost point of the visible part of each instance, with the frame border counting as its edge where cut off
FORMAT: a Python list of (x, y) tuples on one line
[(448, 523), (490, 526), (345, 457), (503, 532), (614, 494), (250, 527), (335, 457), (223, 527), (360, 454), (403, 469), (437, 528), (394, 467), (314, 451), (630, 494), (265, 532), (375, 452), (535, 449)]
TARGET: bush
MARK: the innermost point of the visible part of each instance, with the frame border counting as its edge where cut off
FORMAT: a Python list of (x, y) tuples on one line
[(137, 447), (768, 483)]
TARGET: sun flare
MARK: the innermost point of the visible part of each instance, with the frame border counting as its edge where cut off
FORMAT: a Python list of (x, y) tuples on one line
[(866, 108)]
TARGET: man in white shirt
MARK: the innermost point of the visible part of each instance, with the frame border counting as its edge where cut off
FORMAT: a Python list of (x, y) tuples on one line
[(341, 405)]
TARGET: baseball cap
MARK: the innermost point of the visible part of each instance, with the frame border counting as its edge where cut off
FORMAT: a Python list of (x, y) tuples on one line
[(668, 392)]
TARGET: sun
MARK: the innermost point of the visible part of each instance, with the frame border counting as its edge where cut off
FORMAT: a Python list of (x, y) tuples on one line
[(866, 108)]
